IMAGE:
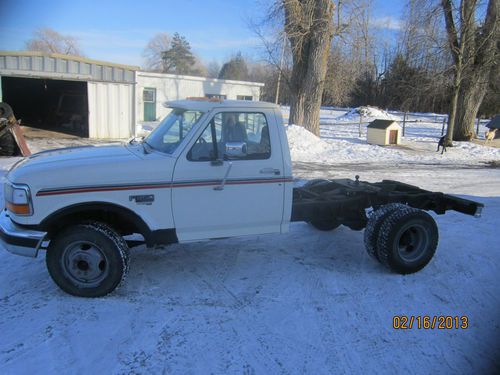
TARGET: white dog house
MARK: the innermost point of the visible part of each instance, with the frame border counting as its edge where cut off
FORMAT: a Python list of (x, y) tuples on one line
[(383, 133)]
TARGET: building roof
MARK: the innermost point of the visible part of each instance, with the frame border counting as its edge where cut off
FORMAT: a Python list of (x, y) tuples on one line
[(68, 57), (57, 66), (494, 123), (380, 124), (206, 105)]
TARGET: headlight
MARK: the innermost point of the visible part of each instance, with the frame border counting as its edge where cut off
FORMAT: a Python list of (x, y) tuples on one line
[(18, 199)]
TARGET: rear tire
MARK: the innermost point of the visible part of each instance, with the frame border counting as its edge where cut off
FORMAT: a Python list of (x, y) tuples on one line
[(407, 240), (88, 260), (373, 225)]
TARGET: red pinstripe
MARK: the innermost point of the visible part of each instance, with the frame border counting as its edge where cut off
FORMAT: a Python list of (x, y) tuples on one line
[(160, 186)]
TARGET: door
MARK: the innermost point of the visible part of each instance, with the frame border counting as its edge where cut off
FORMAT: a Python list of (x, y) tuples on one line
[(149, 98), (219, 195), (393, 137)]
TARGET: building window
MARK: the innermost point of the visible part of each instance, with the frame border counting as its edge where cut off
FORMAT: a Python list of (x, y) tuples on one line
[(244, 97), (215, 96), (149, 95)]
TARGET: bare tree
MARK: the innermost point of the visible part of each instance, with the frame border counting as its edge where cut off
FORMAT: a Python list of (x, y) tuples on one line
[(152, 54), (309, 28), (199, 68), (475, 52), (50, 41), (213, 69)]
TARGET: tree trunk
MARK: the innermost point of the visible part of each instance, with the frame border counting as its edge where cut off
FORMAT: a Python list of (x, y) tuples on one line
[(452, 115), (474, 49), (471, 95), (297, 111), (309, 27), (297, 99), (314, 82)]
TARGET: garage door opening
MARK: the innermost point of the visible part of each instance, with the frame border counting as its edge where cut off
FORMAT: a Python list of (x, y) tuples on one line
[(48, 104)]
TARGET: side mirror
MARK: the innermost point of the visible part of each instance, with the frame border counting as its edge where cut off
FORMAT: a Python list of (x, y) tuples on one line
[(235, 149)]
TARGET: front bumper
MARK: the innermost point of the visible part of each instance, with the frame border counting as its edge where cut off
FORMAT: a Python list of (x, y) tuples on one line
[(18, 240)]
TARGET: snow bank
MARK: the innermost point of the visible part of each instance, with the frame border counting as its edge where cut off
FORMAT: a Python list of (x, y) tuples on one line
[(342, 144), (306, 147), (368, 113)]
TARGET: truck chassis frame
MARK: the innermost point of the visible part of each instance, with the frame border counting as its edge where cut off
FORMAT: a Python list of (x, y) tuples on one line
[(345, 200)]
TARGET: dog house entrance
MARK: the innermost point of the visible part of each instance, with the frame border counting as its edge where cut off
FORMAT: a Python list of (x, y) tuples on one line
[(393, 137)]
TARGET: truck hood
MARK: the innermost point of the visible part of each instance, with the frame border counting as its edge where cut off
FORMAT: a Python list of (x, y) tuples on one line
[(78, 166), (78, 155)]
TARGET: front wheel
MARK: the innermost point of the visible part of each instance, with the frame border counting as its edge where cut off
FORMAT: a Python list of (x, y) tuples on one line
[(88, 260)]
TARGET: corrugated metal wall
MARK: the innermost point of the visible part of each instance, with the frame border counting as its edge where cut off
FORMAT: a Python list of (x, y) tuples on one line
[(110, 86), (111, 110), (36, 64)]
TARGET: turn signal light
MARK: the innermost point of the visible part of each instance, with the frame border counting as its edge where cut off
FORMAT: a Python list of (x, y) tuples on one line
[(18, 209)]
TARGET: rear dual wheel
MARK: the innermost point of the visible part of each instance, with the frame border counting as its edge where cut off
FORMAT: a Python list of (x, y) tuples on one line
[(406, 238)]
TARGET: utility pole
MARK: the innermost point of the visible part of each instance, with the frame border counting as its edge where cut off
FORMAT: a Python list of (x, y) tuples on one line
[(276, 99)]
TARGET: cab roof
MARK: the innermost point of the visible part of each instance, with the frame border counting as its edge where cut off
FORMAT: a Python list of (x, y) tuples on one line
[(206, 104)]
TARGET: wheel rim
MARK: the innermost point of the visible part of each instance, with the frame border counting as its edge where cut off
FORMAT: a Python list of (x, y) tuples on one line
[(85, 264), (411, 242)]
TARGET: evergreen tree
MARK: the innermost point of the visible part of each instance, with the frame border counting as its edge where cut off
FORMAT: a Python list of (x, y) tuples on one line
[(236, 69), (178, 59)]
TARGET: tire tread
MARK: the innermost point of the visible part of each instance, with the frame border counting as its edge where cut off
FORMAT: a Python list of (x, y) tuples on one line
[(387, 228), (373, 225), (110, 234)]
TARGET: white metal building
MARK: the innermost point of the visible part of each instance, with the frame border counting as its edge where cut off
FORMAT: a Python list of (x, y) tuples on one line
[(153, 89), (69, 94), (98, 99)]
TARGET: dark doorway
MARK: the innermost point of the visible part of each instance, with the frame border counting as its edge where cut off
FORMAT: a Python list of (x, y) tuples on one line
[(48, 104), (393, 137)]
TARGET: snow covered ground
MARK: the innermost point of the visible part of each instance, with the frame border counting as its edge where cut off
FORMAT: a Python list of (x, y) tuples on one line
[(341, 142), (303, 302)]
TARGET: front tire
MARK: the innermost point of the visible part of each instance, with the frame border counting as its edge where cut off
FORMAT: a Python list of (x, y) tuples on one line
[(88, 260), (407, 240)]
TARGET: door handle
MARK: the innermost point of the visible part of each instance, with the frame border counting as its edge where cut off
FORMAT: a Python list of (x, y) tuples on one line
[(270, 171), (221, 186)]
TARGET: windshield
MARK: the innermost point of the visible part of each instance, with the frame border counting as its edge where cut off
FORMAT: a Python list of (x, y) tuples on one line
[(172, 130)]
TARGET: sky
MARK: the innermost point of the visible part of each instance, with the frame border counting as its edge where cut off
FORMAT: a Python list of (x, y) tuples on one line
[(118, 31)]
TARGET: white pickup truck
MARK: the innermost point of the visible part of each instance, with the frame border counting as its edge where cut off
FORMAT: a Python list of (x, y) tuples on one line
[(211, 169)]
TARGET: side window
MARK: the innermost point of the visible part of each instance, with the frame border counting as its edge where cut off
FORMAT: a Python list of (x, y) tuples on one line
[(250, 128), (246, 130), (204, 148)]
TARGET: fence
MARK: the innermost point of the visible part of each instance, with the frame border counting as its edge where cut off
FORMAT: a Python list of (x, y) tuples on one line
[(406, 121)]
